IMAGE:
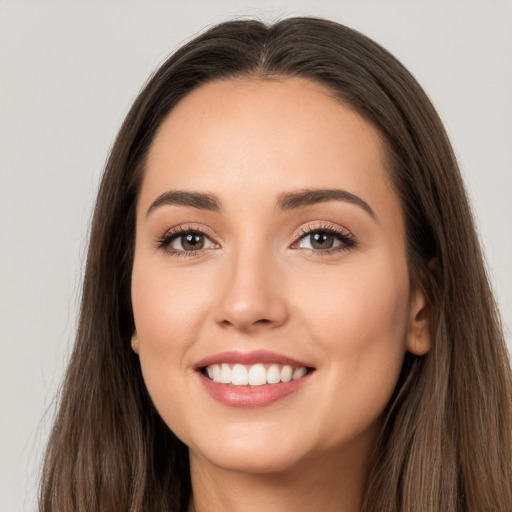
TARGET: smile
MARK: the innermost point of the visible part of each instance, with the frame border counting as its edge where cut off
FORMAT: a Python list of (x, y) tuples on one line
[(251, 379), (253, 375)]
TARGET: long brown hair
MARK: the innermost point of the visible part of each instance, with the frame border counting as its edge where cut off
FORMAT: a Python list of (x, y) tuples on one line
[(446, 442)]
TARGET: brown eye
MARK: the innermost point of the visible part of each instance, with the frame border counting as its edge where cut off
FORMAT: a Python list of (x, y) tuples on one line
[(321, 240), (325, 240), (188, 242), (192, 241)]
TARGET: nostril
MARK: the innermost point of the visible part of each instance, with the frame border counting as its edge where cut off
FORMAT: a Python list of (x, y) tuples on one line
[(262, 322)]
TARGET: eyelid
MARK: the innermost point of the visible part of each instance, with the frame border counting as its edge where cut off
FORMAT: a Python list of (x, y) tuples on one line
[(163, 242), (344, 235), (188, 227), (309, 228)]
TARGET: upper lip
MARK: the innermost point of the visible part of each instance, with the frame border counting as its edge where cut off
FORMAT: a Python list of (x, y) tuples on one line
[(249, 358)]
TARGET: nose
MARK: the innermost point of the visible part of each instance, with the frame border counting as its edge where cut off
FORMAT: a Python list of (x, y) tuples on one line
[(252, 294)]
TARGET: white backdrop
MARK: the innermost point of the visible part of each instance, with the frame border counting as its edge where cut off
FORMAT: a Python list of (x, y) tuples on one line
[(68, 73)]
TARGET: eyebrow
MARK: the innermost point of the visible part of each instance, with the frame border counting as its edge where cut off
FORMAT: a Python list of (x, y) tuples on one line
[(309, 197), (285, 201), (199, 200)]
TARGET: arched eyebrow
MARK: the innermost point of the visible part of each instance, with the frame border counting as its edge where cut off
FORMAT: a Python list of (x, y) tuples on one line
[(199, 200), (285, 201), (309, 197)]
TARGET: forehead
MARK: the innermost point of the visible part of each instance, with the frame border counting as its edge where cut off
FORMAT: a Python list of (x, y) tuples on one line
[(279, 133)]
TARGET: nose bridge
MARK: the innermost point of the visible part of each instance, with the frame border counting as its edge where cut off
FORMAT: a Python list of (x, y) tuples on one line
[(251, 294)]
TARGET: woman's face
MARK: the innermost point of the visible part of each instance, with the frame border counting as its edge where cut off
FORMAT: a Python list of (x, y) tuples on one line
[(270, 246)]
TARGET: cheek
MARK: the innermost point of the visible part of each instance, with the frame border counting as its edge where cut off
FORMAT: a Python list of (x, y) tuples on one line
[(167, 317), (359, 305), (167, 308), (359, 322)]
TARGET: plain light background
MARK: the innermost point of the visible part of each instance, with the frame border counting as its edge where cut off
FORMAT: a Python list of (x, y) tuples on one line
[(68, 73)]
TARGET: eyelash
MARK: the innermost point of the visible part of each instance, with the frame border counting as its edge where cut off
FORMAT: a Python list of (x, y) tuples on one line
[(346, 238), (166, 240)]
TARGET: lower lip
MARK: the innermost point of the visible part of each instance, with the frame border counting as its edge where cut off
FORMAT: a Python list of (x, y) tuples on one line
[(250, 396)]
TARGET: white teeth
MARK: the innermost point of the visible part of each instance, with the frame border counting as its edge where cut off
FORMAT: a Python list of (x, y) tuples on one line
[(286, 373), (216, 373), (225, 374), (239, 375), (298, 373), (253, 375), (257, 375), (273, 374)]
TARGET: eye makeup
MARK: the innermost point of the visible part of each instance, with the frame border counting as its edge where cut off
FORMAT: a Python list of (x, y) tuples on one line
[(190, 240)]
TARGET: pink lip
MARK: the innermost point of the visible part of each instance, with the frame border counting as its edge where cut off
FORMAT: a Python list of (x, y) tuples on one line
[(250, 396), (254, 357)]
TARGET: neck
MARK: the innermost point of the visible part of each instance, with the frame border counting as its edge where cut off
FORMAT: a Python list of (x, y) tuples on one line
[(322, 484)]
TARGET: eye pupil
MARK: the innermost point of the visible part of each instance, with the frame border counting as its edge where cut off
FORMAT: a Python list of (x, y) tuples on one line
[(192, 242), (322, 240)]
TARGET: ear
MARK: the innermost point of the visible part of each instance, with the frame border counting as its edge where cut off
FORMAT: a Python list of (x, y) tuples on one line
[(135, 343), (419, 335)]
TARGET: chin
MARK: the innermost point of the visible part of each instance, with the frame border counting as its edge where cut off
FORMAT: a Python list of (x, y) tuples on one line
[(262, 451), (272, 449), (253, 461)]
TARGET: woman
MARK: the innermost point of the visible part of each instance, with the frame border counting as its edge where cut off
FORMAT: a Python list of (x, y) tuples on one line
[(285, 304)]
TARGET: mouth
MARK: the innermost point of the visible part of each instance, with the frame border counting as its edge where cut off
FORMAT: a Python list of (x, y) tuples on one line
[(257, 374), (252, 379)]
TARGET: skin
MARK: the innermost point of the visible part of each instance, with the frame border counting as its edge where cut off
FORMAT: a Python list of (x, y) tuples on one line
[(350, 314)]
